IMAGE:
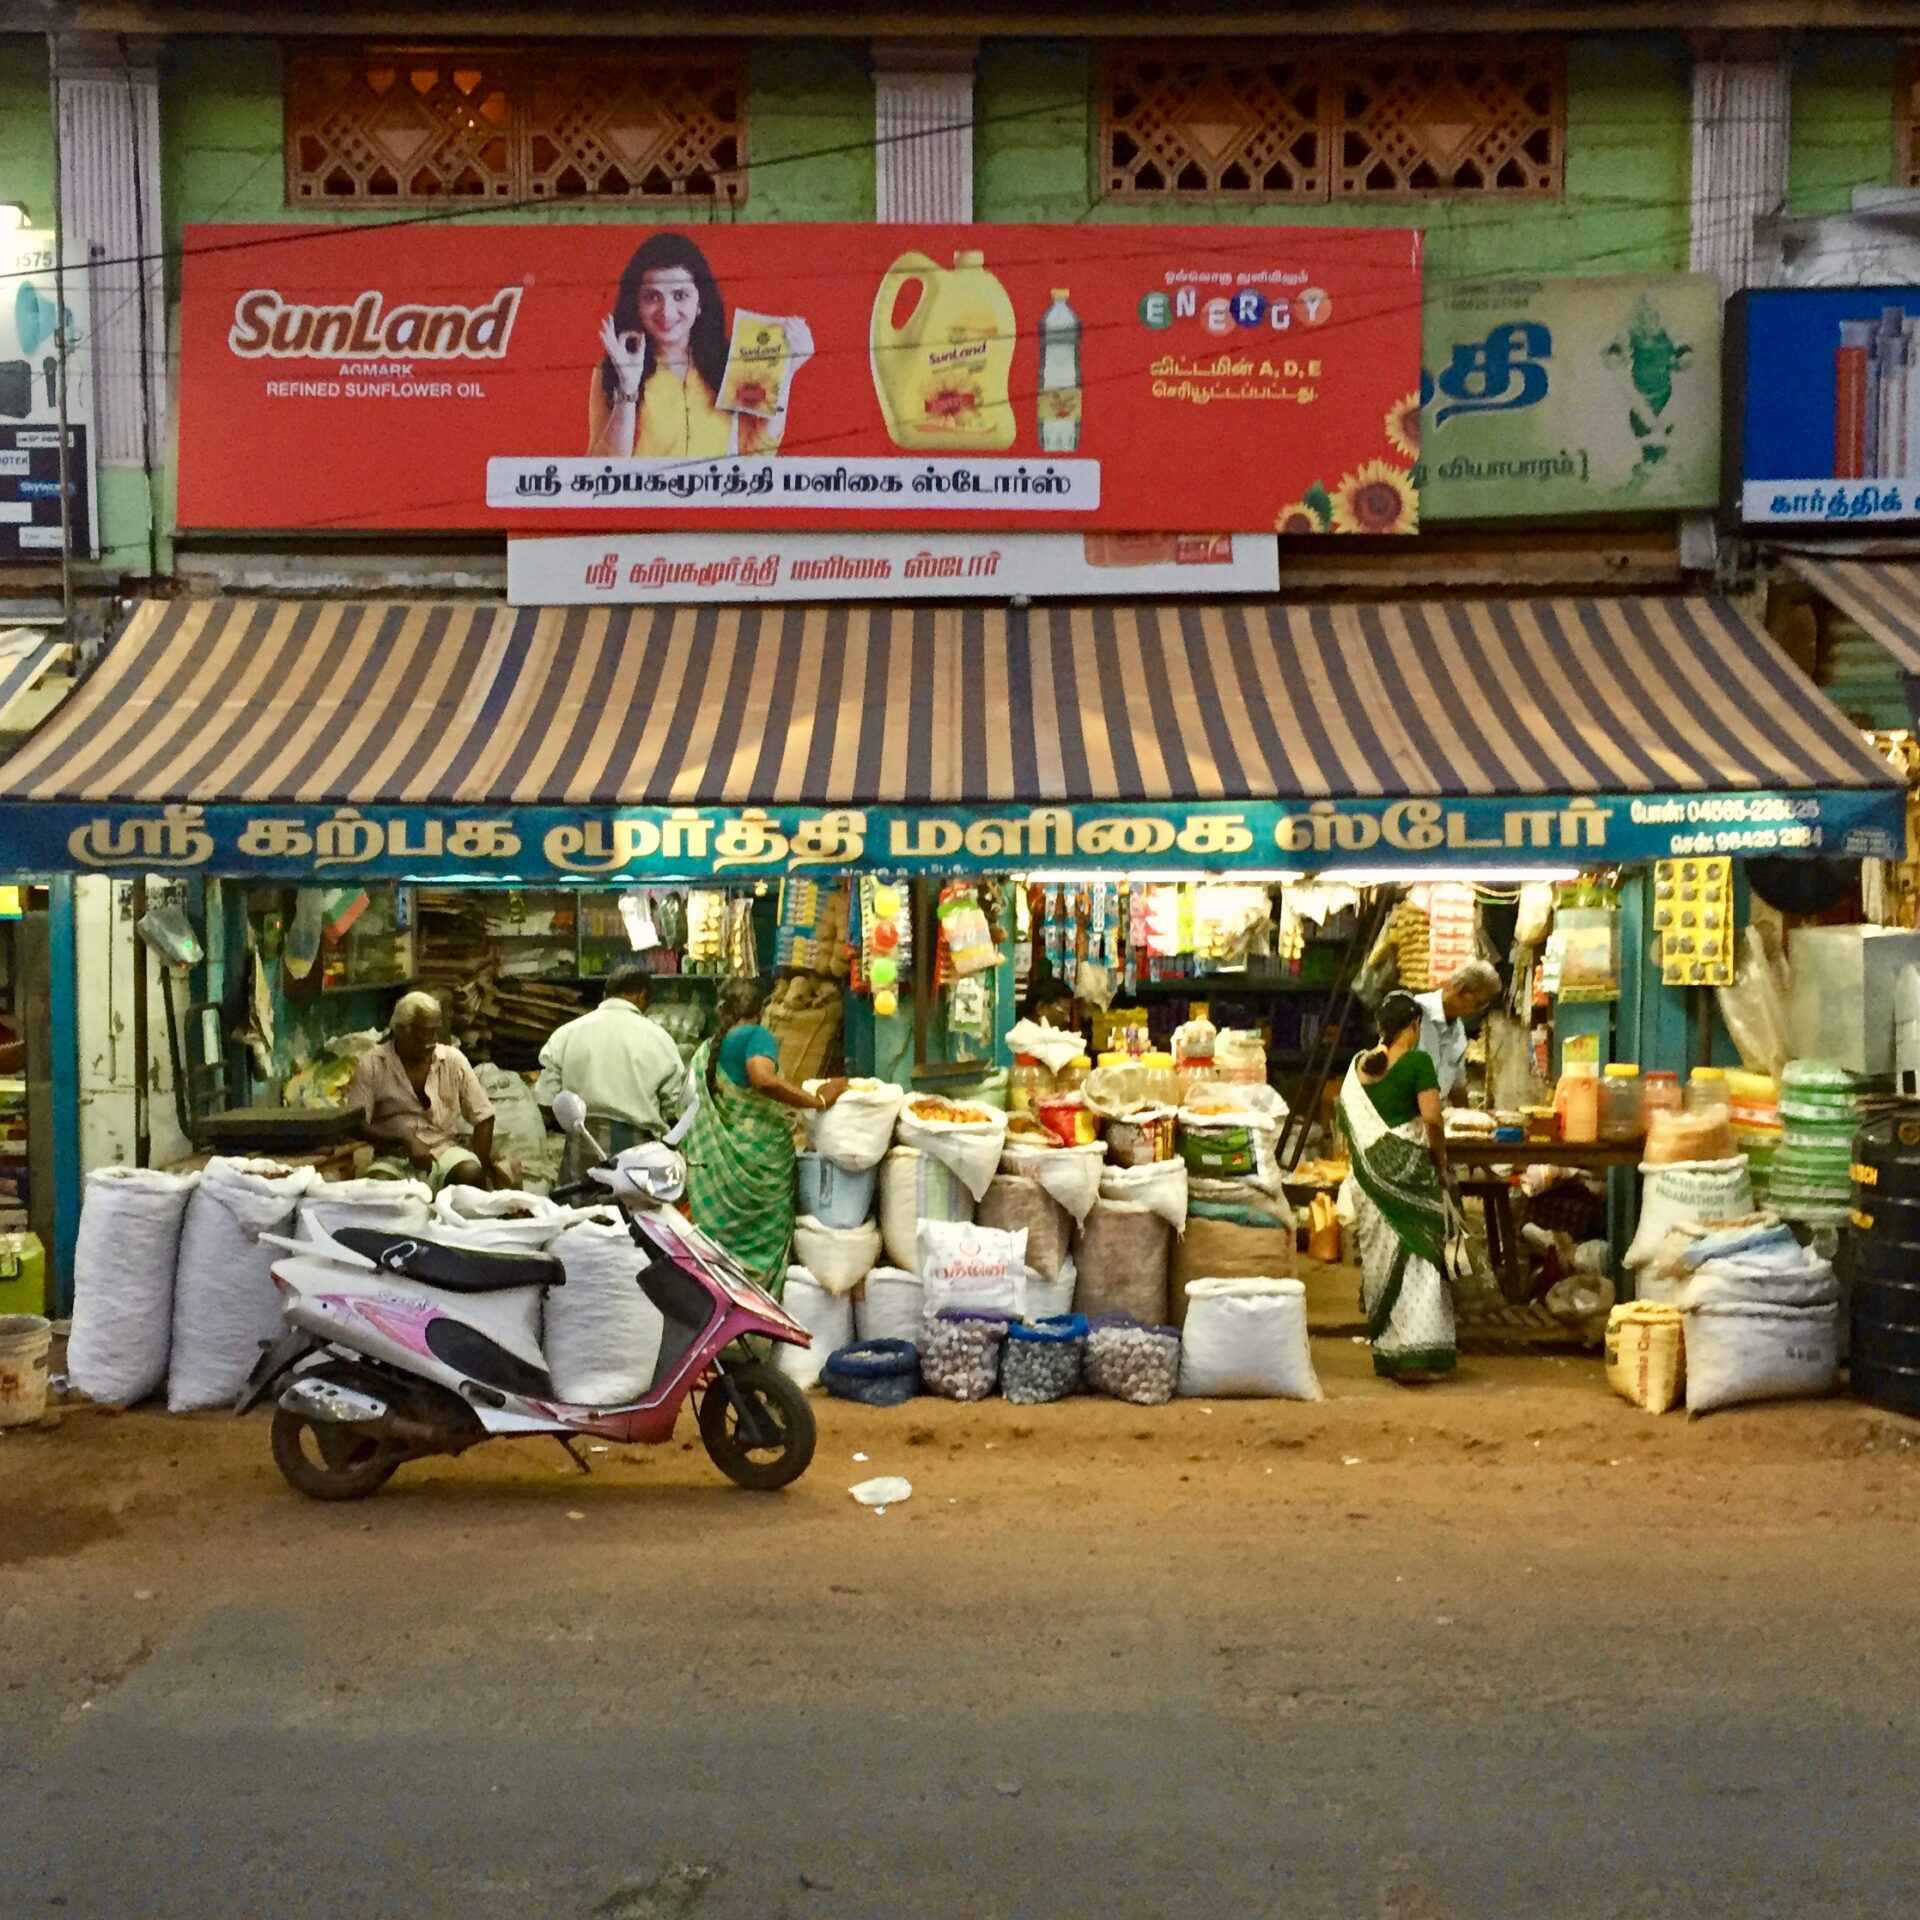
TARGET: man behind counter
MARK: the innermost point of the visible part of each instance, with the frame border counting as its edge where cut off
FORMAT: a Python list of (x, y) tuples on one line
[(413, 1094), (623, 1064)]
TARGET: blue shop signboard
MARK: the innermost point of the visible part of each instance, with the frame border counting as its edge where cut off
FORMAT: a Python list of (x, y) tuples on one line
[(1825, 426), (542, 844)]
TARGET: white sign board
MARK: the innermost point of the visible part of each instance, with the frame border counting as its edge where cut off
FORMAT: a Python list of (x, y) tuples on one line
[(674, 569)]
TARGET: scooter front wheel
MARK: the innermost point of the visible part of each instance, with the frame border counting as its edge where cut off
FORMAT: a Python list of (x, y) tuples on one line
[(761, 1433), (330, 1462)]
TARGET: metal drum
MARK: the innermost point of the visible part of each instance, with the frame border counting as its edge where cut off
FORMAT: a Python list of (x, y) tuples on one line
[(1884, 1244)]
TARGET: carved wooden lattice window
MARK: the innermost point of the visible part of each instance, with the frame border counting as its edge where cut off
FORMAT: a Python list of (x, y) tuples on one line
[(1275, 124), (393, 125)]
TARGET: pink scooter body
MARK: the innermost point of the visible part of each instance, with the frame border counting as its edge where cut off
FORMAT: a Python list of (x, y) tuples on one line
[(389, 1318)]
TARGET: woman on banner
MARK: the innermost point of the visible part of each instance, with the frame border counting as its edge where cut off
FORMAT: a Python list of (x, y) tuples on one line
[(665, 388), (740, 1151), (1403, 1197)]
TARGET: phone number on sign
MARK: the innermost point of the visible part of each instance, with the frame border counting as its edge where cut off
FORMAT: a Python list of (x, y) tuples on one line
[(1751, 840)]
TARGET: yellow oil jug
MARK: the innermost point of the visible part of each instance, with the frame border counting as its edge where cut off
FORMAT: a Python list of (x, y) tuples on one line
[(943, 372), (23, 1273)]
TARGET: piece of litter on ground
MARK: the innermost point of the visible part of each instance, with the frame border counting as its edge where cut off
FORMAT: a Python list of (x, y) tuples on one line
[(1206, 1409), (599, 1449), (1350, 1460), (1443, 1619), (1008, 1789), (576, 1514), (888, 1490), (143, 1593), (859, 1456), (1358, 1339)]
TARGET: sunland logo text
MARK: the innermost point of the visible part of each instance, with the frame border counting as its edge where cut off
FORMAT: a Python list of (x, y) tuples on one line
[(267, 327)]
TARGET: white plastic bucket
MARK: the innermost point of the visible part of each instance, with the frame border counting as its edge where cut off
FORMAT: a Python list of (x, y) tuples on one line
[(25, 1341)]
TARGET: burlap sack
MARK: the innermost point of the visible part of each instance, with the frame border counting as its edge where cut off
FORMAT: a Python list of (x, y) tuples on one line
[(1220, 1250)]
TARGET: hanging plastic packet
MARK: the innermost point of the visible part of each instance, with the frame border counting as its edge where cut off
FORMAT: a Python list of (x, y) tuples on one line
[(964, 932), (636, 915)]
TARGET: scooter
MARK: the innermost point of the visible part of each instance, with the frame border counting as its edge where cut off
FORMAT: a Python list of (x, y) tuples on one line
[(400, 1347)]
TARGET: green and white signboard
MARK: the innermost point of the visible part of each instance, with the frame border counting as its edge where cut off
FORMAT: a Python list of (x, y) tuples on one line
[(1569, 396)]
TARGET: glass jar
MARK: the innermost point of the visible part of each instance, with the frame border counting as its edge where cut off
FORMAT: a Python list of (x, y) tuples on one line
[(1028, 1083), (1707, 1089), (1622, 1109), (1659, 1093), (1578, 1103), (1073, 1076)]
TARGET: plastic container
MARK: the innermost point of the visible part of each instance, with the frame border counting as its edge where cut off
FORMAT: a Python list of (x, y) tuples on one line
[(1577, 1102), (1073, 1076), (1028, 1083), (23, 1273), (877, 1373), (1659, 1093), (25, 1340), (1240, 1056), (1622, 1114), (832, 1195), (1707, 1088)]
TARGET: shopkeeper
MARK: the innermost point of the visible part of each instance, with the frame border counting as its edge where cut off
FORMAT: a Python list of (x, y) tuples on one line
[(413, 1095), (1469, 991), (623, 1064)]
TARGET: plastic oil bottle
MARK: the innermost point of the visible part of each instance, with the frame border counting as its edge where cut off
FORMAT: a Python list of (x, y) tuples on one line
[(942, 369), (1059, 400)]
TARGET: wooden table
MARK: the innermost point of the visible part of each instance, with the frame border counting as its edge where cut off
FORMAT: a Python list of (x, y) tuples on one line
[(1496, 1193)]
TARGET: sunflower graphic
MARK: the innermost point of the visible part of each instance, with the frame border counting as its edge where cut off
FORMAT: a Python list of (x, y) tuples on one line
[(1298, 517), (1376, 498), (1403, 424)]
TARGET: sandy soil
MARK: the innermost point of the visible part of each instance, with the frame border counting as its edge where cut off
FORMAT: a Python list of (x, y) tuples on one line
[(1213, 1583)]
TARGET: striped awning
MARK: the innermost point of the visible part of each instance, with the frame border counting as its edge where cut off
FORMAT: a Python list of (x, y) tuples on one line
[(1883, 595), (26, 658), (250, 702)]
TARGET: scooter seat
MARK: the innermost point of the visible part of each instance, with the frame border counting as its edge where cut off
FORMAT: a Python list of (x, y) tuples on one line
[(453, 1269)]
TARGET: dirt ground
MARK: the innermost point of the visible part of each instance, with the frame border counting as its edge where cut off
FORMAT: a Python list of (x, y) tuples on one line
[(1501, 1646)]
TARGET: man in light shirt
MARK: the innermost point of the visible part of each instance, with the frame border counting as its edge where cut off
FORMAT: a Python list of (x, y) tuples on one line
[(422, 1105), (622, 1064), (1469, 991)]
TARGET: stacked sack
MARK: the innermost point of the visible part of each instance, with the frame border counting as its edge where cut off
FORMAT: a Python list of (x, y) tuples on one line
[(1748, 1314), (1240, 1224), (1690, 1177), (1811, 1176)]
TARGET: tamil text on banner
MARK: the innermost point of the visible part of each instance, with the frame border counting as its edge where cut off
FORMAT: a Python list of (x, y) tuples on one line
[(1829, 411), (528, 844), (1570, 396), (690, 568), (566, 378)]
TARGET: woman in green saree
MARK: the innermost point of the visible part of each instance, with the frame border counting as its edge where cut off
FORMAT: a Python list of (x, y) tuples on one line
[(1403, 1198), (740, 1150)]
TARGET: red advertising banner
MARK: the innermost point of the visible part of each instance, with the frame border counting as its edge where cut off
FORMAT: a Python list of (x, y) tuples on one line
[(579, 378)]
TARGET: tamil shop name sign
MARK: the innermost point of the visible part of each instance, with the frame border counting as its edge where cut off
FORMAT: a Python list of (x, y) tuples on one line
[(640, 376), (1828, 424), (689, 568), (1570, 396), (688, 843)]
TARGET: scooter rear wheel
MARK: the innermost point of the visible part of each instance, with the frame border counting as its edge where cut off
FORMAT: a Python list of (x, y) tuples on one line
[(780, 1407), (330, 1462)]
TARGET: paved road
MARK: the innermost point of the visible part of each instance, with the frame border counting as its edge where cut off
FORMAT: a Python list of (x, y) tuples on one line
[(1530, 1655)]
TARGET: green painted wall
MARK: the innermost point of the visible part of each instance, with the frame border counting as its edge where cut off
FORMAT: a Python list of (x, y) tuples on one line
[(809, 133), (26, 127), (1624, 210), (1843, 101)]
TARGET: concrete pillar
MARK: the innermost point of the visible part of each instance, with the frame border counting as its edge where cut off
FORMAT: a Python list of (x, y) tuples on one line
[(923, 130), (109, 90), (1742, 105)]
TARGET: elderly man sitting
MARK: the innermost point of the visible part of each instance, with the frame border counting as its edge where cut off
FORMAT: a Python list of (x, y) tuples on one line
[(413, 1095)]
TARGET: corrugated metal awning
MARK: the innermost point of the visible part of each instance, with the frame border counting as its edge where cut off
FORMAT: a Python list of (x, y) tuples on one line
[(251, 702), (1884, 596)]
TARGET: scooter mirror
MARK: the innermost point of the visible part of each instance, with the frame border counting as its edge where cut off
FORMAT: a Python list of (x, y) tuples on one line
[(570, 1112)]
